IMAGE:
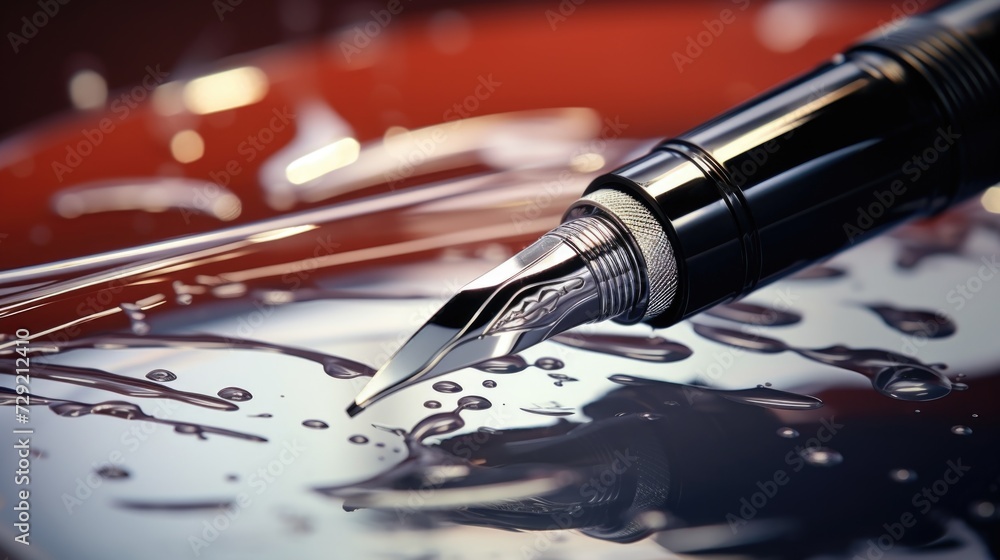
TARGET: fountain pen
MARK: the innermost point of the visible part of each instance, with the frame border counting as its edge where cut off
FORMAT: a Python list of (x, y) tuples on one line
[(903, 124)]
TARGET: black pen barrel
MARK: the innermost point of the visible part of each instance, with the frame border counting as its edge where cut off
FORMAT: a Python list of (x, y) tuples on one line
[(903, 124)]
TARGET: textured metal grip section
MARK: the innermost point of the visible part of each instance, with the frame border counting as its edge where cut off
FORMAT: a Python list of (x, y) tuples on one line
[(965, 81), (652, 241), (611, 261)]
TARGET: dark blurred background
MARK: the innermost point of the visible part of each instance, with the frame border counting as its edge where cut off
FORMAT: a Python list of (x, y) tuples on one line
[(117, 39)]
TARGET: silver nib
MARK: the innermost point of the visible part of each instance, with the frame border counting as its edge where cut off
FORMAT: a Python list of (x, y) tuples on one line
[(590, 268)]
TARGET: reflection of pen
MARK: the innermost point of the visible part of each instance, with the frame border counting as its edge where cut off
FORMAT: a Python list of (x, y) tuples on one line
[(901, 125)]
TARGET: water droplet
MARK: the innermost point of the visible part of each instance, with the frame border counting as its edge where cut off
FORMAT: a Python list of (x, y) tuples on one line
[(447, 387), (770, 398), (649, 416), (489, 384), (902, 475), (380, 444), (184, 299), (768, 384), (112, 472), (235, 394), (432, 404), (960, 377), (821, 456), (161, 375), (960, 430), (232, 478), (917, 411), (975, 416), (473, 402), (488, 430), (358, 439), (551, 410), (503, 364), (317, 424), (262, 415), (622, 379), (671, 403), (549, 363), (911, 383), (561, 379), (959, 386), (788, 432)]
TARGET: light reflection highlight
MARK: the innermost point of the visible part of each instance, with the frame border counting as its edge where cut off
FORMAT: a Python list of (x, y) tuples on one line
[(187, 146), (88, 90), (991, 199), (150, 195), (315, 164), (222, 91)]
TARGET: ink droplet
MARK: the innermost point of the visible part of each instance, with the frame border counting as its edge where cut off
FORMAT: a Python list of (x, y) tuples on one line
[(961, 430), (552, 409), (561, 379), (489, 384), (911, 383), (649, 349), (503, 364), (752, 314), (235, 394), (788, 432), (549, 363), (432, 404), (915, 321), (447, 387), (902, 475), (161, 375), (317, 424), (358, 439), (821, 456), (112, 472), (473, 402)]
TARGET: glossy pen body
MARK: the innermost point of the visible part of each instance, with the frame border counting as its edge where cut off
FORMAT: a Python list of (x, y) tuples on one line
[(901, 125)]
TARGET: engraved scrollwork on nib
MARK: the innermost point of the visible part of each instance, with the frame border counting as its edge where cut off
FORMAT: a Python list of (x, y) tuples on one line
[(536, 306)]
